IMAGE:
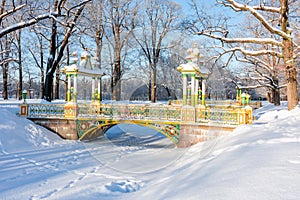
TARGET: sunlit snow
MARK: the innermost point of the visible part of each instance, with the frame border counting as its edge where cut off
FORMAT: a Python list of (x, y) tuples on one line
[(259, 161)]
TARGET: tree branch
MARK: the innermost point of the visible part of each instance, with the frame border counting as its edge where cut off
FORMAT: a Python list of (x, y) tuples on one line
[(240, 40), (255, 53), (244, 7), (3, 15), (24, 24)]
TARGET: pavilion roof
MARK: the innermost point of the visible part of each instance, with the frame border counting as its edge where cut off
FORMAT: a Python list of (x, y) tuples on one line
[(87, 66)]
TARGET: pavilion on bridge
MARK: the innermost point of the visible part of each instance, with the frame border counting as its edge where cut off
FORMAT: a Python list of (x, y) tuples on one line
[(86, 67)]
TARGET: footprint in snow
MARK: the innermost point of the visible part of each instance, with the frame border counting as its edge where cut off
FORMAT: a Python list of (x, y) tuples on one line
[(124, 186)]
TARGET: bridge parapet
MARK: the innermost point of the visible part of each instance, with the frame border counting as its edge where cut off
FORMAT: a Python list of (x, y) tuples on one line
[(75, 121), (131, 112), (226, 115), (45, 110)]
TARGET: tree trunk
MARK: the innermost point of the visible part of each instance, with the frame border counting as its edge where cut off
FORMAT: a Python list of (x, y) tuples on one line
[(20, 84), (153, 85), (66, 89), (48, 81), (50, 64), (117, 75), (5, 72), (276, 97), (291, 74), (56, 84), (287, 50), (48, 87), (149, 89), (42, 86), (276, 93)]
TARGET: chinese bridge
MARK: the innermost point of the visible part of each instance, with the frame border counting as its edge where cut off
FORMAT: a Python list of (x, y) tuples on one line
[(185, 123)]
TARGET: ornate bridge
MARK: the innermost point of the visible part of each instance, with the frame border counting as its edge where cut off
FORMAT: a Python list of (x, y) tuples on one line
[(186, 123), (88, 121)]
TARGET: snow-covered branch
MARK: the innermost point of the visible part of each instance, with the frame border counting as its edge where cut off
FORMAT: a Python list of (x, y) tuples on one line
[(240, 40), (5, 14), (24, 24), (35, 19), (255, 53), (7, 61), (254, 11), (248, 53), (267, 8)]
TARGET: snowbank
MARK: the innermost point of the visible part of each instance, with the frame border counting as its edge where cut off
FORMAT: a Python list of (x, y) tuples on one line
[(19, 134)]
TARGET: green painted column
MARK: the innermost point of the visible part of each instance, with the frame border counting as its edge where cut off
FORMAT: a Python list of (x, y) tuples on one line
[(75, 89), (184, 91), (69, 88), (193, 90), (203, 92), (99, 90), (188, 95), (196, 90), (93, 88)]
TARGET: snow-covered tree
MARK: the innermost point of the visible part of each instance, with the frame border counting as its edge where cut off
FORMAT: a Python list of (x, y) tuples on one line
[(71, 12), (280, 35)]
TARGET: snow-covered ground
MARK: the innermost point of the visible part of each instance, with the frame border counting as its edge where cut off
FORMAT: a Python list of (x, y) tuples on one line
[(259, 161)]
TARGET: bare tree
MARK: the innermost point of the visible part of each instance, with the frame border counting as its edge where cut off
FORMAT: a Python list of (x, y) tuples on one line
[(119, 19), (159, 18), (18, 14), (260, 12), (37, 53), (92, 25), (5, 59)]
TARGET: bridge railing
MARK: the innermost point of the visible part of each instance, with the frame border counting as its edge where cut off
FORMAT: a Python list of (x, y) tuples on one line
[(231, 116), (219, 116), (45, 110), (209, 102), (223, 115), (130, 112)]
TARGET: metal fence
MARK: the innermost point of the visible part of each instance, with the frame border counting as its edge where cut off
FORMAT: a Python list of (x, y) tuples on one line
[(45, 110)]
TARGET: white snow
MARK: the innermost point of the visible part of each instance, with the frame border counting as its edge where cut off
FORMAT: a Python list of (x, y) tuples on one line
[(258, 161)]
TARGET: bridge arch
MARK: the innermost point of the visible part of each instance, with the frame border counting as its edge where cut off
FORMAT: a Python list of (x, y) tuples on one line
[(92, 131)]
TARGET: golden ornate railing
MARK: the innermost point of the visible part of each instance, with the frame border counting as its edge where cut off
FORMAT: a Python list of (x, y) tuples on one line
[(231, 115), (130, 112)]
